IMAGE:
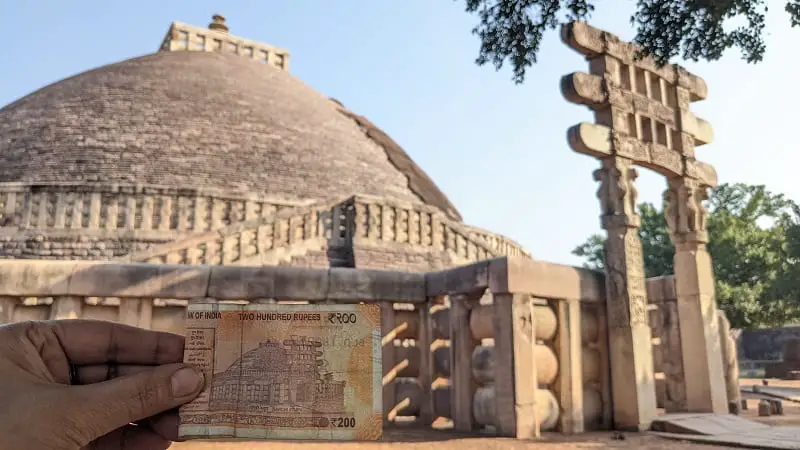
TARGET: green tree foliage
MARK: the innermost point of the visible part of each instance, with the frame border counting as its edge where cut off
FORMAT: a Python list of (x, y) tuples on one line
[(511, 30), (754, 240)]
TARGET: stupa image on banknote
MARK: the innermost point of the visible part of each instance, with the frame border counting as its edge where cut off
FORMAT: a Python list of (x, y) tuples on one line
[(288, 376), (285, 371)]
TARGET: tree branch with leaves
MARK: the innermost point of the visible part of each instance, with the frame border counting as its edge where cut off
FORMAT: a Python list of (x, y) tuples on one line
[(511, 30), (754, 242)]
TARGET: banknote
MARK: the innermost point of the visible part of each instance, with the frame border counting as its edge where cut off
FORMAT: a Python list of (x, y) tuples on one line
[(276, 371)]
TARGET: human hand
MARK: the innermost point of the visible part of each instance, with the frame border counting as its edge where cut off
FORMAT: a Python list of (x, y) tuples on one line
[(81, 384)]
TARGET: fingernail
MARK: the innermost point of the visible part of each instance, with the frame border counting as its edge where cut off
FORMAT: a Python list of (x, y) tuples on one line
[(186, 381)]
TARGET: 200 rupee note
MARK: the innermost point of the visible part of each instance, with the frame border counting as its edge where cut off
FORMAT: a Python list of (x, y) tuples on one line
[(285, 372)]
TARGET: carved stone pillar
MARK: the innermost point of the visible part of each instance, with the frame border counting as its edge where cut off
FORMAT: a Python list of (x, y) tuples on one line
[(697, 305), (630, 349)]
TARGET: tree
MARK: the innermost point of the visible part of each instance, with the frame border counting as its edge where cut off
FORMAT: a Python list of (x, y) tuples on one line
[(754, 241), (696, 29)]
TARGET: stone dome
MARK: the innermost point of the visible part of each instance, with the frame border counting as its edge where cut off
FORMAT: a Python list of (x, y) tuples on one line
[(204, 119)]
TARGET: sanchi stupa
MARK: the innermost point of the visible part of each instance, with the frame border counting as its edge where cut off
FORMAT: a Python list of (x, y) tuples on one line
[(187, 156), (207, 170)]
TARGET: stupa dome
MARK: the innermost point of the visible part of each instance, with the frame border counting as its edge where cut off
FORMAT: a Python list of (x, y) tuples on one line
[(209, 151), (197, 119)]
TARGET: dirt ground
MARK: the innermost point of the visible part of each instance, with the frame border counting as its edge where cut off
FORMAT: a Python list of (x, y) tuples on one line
[(791, 416), (424, 440), (421, 439)]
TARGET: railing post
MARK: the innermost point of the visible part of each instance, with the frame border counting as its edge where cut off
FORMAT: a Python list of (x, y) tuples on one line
[(388, 357), (462, 344), (730, 364), (7, 306), (515, 366), (129, 311), (424, 340), (604, 383), (137, 312), (67, 307), (570, 376)]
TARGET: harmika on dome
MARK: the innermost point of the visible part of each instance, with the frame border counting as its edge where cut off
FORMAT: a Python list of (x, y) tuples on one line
[(210, 152)]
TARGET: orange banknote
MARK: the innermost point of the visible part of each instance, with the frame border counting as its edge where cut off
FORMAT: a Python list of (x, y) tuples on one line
[(278, 371)]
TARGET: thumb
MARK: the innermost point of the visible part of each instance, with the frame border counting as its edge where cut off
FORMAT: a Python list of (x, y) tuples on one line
[(115, 403)]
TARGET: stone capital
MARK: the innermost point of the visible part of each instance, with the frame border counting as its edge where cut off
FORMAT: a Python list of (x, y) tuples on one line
[(617, 193), (685, 213)]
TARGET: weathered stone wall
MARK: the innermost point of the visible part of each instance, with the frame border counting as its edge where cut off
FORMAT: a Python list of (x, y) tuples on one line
[(409, 259), (48, 245), (765, 344), (312, 259)]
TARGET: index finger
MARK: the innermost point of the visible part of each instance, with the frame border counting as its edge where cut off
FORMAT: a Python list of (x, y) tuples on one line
[(98, 342)]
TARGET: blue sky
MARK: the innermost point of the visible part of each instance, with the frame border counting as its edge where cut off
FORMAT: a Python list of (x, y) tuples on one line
[(497, 149)]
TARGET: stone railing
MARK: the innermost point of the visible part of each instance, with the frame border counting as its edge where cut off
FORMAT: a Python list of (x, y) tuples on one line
[(128, 207), (266, 240), (383, 221), (497, 242), (546, 318), (528, 358), (71, 221), (668, 350), (667, 361), (359, 221), (183, 37)]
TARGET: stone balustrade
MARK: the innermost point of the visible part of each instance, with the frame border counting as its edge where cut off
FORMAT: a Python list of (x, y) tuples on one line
[(565, 357), (500, 244), (426, 228), (202, 226), (184, 37), (266, 240), (360, 221), (28, 206), (473, 341), (507, 344)]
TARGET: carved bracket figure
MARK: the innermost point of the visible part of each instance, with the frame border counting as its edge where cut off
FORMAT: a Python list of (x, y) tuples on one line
[(617, 193), (684, 211)]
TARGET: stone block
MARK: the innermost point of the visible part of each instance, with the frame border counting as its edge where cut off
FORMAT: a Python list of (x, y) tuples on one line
[(139, 280), (470, 278), (546, 280), (354, 284), (764, 408), (283, 283), (35, 278)]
